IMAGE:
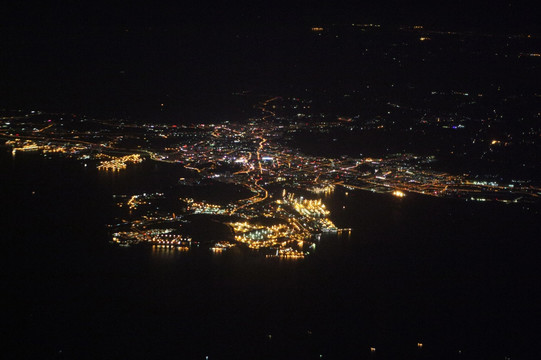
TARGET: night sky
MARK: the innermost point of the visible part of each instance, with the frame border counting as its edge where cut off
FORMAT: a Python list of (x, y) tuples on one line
[(112, 58)]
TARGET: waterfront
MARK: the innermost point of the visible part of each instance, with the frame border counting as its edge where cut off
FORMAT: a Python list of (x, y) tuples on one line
[(452, 275), (271, 181)]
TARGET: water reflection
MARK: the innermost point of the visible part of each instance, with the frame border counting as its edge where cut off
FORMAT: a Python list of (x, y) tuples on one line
[(168, 251)]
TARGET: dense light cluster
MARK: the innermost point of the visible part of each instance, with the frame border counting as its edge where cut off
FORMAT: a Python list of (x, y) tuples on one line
[(120, 163)]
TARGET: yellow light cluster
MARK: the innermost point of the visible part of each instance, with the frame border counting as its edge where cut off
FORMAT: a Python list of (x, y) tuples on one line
[(312, 208), (399, 193), (168, 248), (288, 253), (326, 189), (170, 240), (279, 236), (134, 202), (120, 163), (205, 208), (327, 225)]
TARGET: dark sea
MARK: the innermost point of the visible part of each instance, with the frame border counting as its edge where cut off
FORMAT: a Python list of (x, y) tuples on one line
[(461, 278)]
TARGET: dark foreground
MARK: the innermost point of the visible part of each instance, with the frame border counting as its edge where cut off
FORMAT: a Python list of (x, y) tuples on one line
[(458, 277)]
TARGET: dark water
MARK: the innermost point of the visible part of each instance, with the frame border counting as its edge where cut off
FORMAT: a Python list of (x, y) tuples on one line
[(451, 275)]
